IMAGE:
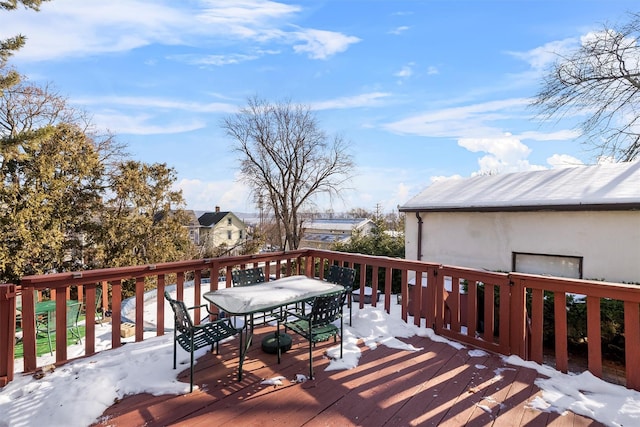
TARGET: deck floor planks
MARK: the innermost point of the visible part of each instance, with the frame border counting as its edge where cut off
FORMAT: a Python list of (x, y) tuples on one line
[(430, 406), (404, 385), (389, 387), (293, 406), (479, 403), (521, 390)]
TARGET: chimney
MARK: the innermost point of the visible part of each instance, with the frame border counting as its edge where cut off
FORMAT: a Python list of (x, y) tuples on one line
[(217, 209)]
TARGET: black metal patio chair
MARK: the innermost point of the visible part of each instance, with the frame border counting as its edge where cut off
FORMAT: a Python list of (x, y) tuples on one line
[(247, 276), (345, 277), (318, 325), (194, 337)]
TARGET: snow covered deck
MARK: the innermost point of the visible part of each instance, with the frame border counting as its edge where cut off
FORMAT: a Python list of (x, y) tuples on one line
[(440, 386)]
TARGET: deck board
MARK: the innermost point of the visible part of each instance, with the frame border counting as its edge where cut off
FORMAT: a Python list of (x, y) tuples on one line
[(439, 386)]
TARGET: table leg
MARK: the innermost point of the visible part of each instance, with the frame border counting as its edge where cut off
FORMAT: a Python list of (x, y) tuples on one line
[(244, 347)]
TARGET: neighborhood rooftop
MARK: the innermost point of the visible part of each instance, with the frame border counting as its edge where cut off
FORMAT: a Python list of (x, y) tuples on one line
[(605, 186)]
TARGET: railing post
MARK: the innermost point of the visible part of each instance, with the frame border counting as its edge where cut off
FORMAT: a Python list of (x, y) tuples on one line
[(518, 320), (29, 328), (7, 331)]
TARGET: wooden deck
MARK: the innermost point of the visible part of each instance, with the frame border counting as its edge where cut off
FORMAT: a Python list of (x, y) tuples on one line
[(438, 386)]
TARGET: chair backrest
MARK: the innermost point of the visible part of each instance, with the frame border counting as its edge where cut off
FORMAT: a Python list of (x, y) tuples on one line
[(343, 276), (73, 313), (183, 321), (327, 309), (247, 276), (99, 299)]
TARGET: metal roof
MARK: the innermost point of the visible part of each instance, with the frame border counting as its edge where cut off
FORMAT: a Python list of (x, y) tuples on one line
[(600, 187), (336, 224)]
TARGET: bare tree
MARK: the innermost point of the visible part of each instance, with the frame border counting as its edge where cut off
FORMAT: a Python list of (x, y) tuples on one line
[(286, 156), (600, 79)]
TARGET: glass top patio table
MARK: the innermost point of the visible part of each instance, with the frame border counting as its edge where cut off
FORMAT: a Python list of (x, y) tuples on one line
[(244, 300), (264, 297)]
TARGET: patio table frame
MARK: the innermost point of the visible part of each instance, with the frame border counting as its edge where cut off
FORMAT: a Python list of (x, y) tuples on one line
[(246, 301)]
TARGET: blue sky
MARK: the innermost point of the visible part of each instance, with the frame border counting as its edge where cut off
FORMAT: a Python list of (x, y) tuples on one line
[(420, 89)]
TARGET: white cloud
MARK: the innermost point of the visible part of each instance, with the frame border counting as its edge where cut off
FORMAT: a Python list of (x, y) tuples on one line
[(561, 135), (406, 71), (603, 160), (563, 161), (469, 121), (431, 70), (386, 187), (229, 194), (357, 101), (507, 148), (505, 154), (147, 115), (77, 28), (320, 44), (399, 30), (215, 60), (157, 103), (140, 124), (543, 56)]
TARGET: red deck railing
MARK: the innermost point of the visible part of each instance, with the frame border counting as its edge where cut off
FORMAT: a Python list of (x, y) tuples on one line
[(498, 312)]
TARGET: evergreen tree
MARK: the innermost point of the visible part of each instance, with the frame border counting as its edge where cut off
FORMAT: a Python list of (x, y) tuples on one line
[(10, 77), (51, 180), (143, 221)]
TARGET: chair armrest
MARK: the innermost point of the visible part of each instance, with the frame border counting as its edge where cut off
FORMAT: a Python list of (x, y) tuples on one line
[(286, 314), (209, 312), (198, 306)]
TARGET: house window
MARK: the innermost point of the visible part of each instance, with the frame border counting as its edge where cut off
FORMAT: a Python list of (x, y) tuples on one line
[(240, 232), (548, 265), (228, 221), (229, 234)]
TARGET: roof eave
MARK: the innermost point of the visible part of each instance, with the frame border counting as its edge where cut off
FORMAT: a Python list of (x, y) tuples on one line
[(528, 208)]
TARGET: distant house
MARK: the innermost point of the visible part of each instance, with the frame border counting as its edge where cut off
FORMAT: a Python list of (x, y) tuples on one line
[(323, 233), (215, 230), (581, 222), (194, 227)]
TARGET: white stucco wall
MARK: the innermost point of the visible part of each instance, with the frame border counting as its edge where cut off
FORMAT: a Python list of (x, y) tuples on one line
[(608, 241)]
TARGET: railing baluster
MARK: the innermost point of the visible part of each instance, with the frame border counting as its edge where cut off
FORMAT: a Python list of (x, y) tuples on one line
[(632, 343), (197, 279), (160, 304), (594, 336), (537, 324), (89, 318), (116, 303), (560, 314), (139, 322)]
